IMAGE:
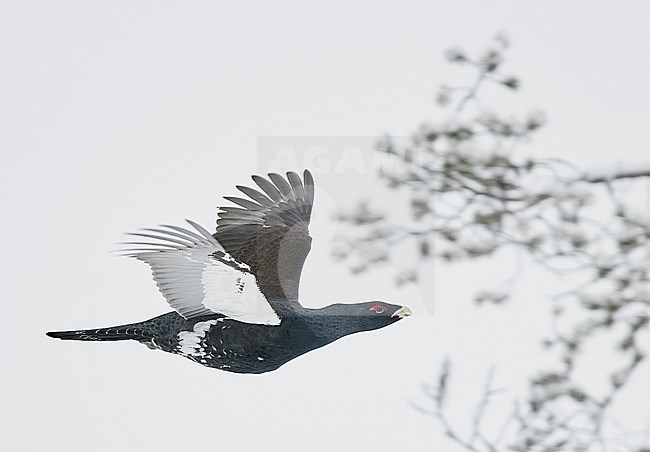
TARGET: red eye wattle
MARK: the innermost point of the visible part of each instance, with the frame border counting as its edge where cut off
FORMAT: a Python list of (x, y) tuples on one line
[(378, 308)]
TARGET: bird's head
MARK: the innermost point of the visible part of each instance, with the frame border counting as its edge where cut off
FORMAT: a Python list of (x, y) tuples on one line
[(357, 317), (381, 310)]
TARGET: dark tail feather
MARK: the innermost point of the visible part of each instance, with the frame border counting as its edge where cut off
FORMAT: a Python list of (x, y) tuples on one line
[(114, 333)]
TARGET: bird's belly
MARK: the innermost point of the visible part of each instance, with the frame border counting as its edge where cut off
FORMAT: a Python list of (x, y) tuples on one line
[(239, 361)]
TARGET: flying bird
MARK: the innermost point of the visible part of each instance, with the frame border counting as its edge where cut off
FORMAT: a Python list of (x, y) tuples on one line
[(235, 292)]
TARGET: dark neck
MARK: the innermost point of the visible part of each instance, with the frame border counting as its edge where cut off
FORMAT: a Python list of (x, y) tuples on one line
[(331, 326)]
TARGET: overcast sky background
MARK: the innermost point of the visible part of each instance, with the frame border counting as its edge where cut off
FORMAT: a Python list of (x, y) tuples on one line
[(121, 115)]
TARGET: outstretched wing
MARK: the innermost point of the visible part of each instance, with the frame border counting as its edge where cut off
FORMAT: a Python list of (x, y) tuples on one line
[(198, 277), (270, 232)]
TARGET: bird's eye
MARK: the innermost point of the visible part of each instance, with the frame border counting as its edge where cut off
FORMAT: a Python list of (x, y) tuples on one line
[(378, 308)]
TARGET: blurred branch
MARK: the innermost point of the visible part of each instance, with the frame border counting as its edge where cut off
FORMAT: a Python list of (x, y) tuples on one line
[(477, 441), (471, 190)]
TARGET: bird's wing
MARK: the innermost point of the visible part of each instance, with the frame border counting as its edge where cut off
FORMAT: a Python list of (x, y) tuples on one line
[(270, 232), (198, 277)]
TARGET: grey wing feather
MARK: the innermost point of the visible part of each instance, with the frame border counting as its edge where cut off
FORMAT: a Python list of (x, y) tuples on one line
[(270, 232), (255, 195), (284, 187)]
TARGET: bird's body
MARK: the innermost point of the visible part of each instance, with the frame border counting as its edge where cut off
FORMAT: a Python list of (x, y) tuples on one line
[(235, 293), (216, 341)]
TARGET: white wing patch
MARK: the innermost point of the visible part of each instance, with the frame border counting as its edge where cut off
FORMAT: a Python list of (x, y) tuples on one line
[(242, 287), (198, 277)]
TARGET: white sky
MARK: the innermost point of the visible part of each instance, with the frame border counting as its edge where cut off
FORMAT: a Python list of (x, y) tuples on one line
[(120, 115)]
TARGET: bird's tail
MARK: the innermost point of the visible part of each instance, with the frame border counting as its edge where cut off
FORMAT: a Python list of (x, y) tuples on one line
[(113, 333)]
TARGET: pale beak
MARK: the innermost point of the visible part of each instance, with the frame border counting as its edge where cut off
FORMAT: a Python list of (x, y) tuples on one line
[(402, 312)]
